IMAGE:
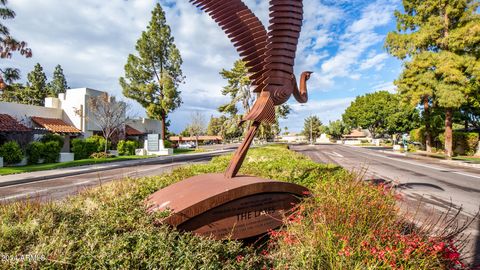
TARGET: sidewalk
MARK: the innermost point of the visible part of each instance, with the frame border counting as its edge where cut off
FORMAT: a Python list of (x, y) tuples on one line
[(15, 179), (426, 156)]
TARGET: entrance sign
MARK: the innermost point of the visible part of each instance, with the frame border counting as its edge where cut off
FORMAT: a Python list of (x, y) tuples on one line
[(227, 205), (152, 142)]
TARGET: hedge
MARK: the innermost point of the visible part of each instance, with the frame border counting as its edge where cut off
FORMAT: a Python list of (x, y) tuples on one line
[(53, 137), (83, 149), (11, 152), (35, 152), (464, 143), (52, 151), (127, 148)]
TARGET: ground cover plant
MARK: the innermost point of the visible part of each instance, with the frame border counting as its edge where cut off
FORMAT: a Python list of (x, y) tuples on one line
[(345, 224)]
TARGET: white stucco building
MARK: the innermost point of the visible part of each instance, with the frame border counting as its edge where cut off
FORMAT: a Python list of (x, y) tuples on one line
[(70, 114)]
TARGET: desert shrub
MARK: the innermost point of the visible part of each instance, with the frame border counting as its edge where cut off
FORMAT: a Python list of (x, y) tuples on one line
[(51, 152), (101, 155), (53, 137), (464, 143), (11, 152), (127, 148), (83, 149), (99, 142), (345, 224), (35, 152)]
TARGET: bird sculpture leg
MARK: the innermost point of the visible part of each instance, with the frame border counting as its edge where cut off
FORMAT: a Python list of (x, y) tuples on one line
[(241, 152)]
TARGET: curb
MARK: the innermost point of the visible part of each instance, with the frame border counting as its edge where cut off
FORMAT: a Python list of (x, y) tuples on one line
[(114, 165), (448, 162)]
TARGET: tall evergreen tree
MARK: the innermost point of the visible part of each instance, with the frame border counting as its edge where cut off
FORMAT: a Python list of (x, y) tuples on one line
[(59, 83), (312, 128), (441, 38), (152, 77), (36, 90)]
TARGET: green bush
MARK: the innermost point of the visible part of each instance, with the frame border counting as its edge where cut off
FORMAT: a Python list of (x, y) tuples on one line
[(127, 148), (83, 149), (53, 137), (418, 135), (167, 144), (464, 143), (35, 151), (99, 142), (52, 151), (11, 152)]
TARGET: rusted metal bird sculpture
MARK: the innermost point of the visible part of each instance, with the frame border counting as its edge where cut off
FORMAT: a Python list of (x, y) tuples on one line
[(269, 58), (208, 205)]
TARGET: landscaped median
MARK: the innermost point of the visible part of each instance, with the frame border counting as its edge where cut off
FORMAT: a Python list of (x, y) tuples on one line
[(345, 224)]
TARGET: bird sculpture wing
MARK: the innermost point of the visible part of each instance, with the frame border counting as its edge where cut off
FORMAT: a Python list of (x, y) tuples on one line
[(278, 79), (245, 31)]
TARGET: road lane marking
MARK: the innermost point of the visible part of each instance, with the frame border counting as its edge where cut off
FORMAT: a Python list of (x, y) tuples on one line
[(337, 154), (466, 174), (424, 165)]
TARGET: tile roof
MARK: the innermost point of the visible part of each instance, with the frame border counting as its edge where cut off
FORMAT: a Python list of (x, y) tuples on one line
[(10, 124), (356, 134), (129, 131), (55, 125)]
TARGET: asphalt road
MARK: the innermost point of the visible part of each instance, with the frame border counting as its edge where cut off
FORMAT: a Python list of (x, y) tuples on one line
[(58, 188), (429, 187)]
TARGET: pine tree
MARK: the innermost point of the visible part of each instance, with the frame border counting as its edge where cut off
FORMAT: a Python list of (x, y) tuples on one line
[(36, 90), (441, 40), (152, 77), (58, 84)]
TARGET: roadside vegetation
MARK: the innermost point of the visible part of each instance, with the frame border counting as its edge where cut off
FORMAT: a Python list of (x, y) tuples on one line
[(345, 224)]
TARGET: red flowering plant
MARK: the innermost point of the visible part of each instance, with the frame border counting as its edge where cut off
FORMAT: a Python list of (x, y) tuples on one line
[(350, 224)]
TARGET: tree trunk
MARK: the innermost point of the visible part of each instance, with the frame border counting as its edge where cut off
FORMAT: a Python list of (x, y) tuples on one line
[(448, 133), (106, 145), (428, 133), (164, 128)]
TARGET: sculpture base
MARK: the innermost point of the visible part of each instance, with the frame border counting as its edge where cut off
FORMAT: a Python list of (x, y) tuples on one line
[(237, 208)]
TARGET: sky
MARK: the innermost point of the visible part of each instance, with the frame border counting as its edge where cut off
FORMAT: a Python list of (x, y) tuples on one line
[(342, 42)]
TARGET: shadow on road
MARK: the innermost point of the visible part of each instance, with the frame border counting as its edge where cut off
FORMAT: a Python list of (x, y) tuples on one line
[(415, 185)]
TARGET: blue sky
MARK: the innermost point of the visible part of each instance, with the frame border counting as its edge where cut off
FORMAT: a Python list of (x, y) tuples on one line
[(341, 41)]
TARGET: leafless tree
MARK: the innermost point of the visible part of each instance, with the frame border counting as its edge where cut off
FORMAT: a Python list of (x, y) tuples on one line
[(197, 125), (108, 114)]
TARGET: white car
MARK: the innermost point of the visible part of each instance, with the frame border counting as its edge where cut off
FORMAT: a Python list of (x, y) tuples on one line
[(186, 145)]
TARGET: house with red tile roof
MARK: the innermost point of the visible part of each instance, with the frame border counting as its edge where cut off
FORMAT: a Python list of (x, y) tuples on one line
[(70, 115)]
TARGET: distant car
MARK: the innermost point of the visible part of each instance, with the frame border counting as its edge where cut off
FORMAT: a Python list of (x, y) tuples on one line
[(186, 145)]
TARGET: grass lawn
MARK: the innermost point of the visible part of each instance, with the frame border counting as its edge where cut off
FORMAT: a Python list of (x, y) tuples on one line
[(345, 224), (467, 158), (177, 151), (51, 166)]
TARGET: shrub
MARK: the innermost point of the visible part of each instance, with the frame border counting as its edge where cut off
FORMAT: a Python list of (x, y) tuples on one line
[(53, 137), (99, 142), (464, 143), (83, 149), (127, 148), (52, 151), (418, 135), (167, 144), (11, 152), (99, 155), (35, 151)]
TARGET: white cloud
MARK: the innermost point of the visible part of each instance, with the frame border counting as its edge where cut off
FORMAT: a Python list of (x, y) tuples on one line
[(91, 39), (376, 61)]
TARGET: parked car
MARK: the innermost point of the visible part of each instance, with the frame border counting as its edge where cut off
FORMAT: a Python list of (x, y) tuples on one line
[(186, 145)]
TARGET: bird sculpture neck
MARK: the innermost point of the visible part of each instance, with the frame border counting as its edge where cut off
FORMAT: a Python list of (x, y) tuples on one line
[(301, 95)]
